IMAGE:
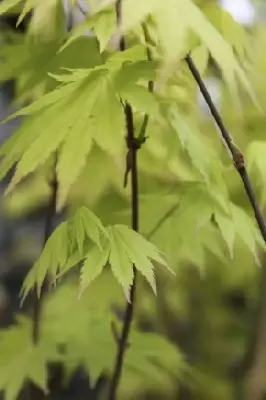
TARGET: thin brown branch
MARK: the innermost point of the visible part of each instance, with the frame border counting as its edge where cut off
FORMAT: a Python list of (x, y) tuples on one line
[(254, 362), (81, 9), (133, 147), (145, 122), (35, 393), (237, 155), (38, 301)]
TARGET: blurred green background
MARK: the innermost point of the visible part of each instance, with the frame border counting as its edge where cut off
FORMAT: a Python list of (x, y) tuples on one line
[(211, 309)]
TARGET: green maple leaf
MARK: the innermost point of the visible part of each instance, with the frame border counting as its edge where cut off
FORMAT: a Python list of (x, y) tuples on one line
[(95, 351), (84, 94), (7, 5), (122, 248), (127, 248), (108, 128), (174, 20), (197, 204), (134, 72), (233, 32), (154, 356), (86, 223), (141, 99), (121, 264), (73, 153), (53, 256), (247, 230), (103, 24), (32, 63), (228, 231), (21, 361), (239, 223), (50, 128), (28, 6), (181, 216), (200, 154), (95, 261), (89, 341), (132, 54), (47, 22), (64, 246), (256, 157)]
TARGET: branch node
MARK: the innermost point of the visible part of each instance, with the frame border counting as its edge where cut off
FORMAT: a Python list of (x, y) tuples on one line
[(239, 160), (237, 155), (133, 145)]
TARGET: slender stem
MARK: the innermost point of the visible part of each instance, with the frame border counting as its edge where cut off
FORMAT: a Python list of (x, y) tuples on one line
[(150, 84), (237, 155), (33, 392), (255, 360), (148, 52), (80, 8), (132, 148), (38, 301)]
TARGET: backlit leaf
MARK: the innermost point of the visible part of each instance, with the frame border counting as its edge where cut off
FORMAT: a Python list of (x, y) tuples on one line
[(74, 151), (59, 253), (104, 26), (247, 230), (120, 262), (108, 127), (129, 248), (228, 231), (87, 222), (141, 99), (189, 16), (6, 5), (93, 265), (21, 361)]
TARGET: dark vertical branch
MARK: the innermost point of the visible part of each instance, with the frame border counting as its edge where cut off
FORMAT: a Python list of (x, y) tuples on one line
[(133, 147), (33, 392), (150, 84), (48, 228)]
